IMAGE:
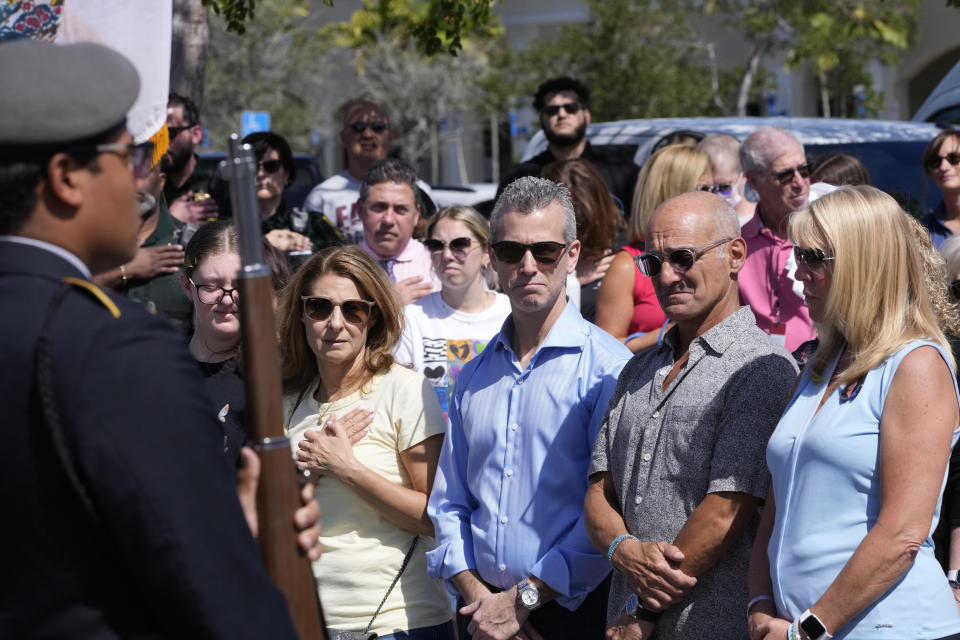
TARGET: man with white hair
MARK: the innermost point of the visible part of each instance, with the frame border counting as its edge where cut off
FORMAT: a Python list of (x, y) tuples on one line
[(777, 169)]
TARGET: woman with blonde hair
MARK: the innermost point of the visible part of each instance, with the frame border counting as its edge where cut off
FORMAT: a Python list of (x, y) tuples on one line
[(843, 547), (340, 319), (627, 306), (446, 329)]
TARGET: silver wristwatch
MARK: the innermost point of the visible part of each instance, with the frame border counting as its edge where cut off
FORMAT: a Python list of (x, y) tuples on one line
[(528, 595)]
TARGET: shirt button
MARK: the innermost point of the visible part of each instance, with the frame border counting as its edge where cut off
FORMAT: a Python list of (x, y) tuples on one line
[(503, 567), (638, 500), (509, 472), (514, 427), (646, 457), (656, 414), (503, 520)]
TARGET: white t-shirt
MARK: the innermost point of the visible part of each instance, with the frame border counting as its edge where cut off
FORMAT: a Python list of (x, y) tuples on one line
[(362, 550), (438, 340), (336, 197)]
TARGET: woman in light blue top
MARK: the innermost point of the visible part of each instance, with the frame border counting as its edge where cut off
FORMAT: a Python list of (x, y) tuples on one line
[(843, 549)]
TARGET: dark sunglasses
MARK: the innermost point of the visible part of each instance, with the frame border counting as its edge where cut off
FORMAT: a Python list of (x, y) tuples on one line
[(137, 156), (270, 166), (952, 158), (813, 258), (543, 252), (376, 127), (719, 189), (786, 176), (554, 109), (459, 247), (175, 131), (681, 260), (955, 289), (354, 311), (212, 294)]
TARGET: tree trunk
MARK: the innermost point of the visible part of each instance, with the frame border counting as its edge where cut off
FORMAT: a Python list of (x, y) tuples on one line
[(746, 80), (824, 94), (188, 56)]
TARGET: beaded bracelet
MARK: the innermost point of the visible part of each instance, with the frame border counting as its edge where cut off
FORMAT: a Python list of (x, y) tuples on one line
[(616, 543), (123, 274)]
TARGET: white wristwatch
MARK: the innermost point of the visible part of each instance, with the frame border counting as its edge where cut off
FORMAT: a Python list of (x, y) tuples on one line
[(528, 595), (952, 579), (813, 627)]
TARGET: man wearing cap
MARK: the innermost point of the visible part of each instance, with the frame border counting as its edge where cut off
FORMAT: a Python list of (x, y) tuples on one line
[(121, 516)]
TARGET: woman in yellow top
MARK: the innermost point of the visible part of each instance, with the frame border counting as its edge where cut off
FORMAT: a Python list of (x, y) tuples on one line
[(340, 320)]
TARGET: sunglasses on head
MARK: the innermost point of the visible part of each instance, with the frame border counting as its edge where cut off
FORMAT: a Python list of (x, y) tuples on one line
[(955, 289), (270, 166), (719, 189), (786, 176), (543, 252), (952, 158), (813, 258), (554, 109), (376, 127), (459, 247), (354, 311), (681, 260)]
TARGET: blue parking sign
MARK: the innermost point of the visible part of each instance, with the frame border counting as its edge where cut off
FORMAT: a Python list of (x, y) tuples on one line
[(254, 121)]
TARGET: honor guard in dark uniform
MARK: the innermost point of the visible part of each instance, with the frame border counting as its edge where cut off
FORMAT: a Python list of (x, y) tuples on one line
[(120, 511)]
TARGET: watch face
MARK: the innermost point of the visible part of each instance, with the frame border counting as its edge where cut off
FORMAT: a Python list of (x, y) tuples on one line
[(530, 596), (812, 627)]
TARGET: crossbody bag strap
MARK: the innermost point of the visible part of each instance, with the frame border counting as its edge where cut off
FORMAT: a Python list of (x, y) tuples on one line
[(406, 561)]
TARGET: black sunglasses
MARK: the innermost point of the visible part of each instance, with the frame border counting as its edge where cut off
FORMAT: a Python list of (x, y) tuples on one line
[(554, 109), (543, 252), (955, 289), (786, 176), (376, 126), (719, 189), (813, 258), (459, 247), (952, 158), (270, 166), (354, 311), (175, 131), (681, 260)]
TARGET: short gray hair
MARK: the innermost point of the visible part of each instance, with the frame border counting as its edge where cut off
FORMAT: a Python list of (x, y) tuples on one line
[(760, 146), (529, 194), (389, 170)]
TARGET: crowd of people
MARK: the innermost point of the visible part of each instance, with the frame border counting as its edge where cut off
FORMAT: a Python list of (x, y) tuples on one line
[(630, 403)]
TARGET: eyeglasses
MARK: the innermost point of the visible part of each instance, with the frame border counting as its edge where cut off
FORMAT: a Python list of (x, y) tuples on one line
[(212, 294), (554, 109), (952, 158), (681, 260), (270, 166), (813, 258), (354, 311), (786, 176), (719, 189), (376, 126), (175, 131), (513, 252), (137, 156), (459, 247), (955, 289)]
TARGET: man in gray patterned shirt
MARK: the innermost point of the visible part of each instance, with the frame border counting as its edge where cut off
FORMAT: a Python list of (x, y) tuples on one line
[(678, 467)]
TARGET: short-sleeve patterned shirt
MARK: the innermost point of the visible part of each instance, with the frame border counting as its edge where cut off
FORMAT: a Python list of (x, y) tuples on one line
[(706, 433)]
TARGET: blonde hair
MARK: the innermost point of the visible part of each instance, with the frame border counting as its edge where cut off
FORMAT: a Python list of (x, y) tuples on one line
[(478, 227), (669, 172), (886, 290), (298, 362)]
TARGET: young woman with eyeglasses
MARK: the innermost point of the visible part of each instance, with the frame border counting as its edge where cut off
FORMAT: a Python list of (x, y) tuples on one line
[(209, 279), (340, 319), (627, 306), (941, 161), (446, 329)]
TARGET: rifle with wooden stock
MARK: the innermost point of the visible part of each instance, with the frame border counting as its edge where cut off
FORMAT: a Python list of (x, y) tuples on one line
[(278, 495)]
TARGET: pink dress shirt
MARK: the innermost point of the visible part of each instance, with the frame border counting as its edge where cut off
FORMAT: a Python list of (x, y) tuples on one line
[(767, 285), (414, 260)]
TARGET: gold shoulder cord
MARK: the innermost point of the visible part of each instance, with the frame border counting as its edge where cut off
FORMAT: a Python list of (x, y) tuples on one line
[(97, 293)]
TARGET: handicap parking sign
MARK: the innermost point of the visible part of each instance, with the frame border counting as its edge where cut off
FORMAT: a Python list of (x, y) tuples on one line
[(254, 121)]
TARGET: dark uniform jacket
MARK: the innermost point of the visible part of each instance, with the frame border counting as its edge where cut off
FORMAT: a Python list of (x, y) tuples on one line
[(159, 546)]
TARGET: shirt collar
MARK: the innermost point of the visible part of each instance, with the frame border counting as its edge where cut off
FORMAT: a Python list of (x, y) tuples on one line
[(719, 337), (407, 255), (568, 331), (52, 248)]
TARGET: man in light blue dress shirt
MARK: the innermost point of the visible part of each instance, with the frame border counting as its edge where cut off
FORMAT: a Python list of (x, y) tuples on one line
[(507, 502)]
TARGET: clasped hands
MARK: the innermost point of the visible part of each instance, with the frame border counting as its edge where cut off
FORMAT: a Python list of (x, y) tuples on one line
[(498, 616), (330, 448)]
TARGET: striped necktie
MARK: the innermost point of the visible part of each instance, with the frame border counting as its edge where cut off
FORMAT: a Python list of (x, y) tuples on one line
[(388, 267)]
